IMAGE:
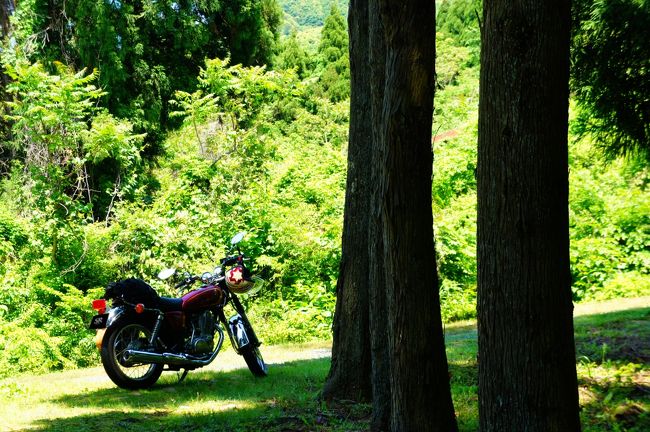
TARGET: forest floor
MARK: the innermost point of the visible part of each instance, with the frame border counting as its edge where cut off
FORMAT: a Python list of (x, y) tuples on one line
[(613, 362)]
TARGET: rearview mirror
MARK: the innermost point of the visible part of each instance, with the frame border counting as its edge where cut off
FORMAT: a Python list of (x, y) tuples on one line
[(237, 238), (166, 273)]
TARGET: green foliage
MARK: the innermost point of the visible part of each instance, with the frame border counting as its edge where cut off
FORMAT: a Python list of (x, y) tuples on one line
[(145, 50), (610, 227), (459, 19), (49, 114), (29, 349), (110, 138), (608, 203), (50, 117), (44, 329), (454, 179), (253, 174), (292, 56), (12, 231), (621, 285), (332, 60), (244, 92), (320, 56), (311, 13), (610, 64)]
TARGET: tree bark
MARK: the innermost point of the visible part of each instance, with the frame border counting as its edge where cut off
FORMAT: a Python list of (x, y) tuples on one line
[(390, 127), (420, 392), (349, 375), (381, 395), (6, 10), (527, 376)]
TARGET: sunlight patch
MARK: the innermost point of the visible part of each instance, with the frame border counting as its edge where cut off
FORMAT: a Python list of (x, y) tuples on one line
[(215, 406)]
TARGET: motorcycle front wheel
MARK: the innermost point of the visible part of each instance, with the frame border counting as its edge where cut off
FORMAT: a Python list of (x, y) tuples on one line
[(255, 362), (128, 334)]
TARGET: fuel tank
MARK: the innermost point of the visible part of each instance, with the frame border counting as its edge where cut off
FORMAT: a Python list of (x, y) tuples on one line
[(202, 298)]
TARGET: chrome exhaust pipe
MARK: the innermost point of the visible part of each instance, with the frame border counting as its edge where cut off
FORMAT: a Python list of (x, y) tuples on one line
[(132, 357)]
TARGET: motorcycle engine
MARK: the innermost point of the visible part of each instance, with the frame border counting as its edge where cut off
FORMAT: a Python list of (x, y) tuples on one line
[(201, 339)]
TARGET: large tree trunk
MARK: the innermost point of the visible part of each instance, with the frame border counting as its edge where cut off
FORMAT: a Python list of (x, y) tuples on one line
[(527, 376), (377, 286), (349, 376), (410, 382), (420, 392)]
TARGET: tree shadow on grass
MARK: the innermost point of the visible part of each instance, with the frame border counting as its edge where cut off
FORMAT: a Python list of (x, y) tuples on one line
[(618, 399), (286, 400), (244, 420), (613, 351), (623, 335)]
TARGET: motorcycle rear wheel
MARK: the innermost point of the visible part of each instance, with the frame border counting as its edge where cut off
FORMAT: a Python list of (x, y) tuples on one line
[(128, 333), (255, 362)]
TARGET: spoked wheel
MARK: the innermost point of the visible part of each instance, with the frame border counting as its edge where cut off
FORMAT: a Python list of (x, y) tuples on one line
[(128, 334), (255, 362)]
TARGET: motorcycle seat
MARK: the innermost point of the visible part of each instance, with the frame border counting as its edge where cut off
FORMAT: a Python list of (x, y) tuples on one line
[(168, 304)]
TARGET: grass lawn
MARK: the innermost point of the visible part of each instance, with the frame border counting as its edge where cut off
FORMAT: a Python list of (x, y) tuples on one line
[(613, 361)]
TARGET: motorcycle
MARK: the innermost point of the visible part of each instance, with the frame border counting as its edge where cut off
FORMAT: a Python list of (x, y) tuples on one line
[(142, 334)]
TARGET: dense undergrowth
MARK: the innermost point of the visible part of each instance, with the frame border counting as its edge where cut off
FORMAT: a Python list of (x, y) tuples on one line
[(261, 151)]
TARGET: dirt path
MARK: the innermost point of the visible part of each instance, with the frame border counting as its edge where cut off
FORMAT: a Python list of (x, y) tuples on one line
[(611, 306)]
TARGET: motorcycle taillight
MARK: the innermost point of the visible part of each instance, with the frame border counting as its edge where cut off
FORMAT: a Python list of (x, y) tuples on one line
[(99, 305)]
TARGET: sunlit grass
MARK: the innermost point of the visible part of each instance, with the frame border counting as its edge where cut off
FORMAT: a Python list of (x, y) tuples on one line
[(613, 354), (225, 392), (613, 365)]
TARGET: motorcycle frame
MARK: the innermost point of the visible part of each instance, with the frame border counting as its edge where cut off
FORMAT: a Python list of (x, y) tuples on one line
[(160, 334)]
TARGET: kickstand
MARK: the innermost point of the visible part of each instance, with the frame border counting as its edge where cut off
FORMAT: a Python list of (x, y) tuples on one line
[(180, 380)]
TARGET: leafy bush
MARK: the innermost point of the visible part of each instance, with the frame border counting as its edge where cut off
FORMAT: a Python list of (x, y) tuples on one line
[(610, 226), (29, 349), (42, 328), (622, 284)]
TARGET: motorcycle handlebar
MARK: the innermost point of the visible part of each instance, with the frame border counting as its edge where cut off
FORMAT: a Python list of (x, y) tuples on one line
[(228, 261), (187, 281)]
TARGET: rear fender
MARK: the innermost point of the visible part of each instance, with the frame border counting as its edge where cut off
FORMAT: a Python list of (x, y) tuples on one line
[(114, 314)]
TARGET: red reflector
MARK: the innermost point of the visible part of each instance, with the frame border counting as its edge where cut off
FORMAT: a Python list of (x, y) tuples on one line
[(139, 308), (99, 305)]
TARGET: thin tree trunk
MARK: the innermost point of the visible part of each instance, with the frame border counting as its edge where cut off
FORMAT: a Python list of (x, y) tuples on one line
[(527, 376), (420, 392), (349, 376), (6, 11)]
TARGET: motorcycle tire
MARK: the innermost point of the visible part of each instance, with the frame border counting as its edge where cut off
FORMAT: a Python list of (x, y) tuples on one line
[(128, 333), (255, 362)]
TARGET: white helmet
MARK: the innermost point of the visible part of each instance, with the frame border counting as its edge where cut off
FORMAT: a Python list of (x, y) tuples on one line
[(238, 279)]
